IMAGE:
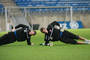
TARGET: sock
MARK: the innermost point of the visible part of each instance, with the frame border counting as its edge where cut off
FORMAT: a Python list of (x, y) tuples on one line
[(87, 42)]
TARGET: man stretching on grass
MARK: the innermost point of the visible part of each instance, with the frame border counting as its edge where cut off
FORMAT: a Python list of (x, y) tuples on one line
[(55, 32), (22, 34)]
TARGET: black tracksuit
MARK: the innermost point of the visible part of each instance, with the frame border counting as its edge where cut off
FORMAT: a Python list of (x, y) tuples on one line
[(57, 35), (19, 35)]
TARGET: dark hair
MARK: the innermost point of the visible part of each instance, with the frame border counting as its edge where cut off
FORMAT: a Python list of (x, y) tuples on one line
[(35, 32), (42, 29)]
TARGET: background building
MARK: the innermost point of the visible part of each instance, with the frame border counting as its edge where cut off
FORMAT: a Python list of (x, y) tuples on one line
[(40, 13)]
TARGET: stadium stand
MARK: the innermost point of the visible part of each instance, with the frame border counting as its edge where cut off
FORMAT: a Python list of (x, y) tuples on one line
[(52, 2), (78, 5), (37, 15), (1, 6), (73, 3)]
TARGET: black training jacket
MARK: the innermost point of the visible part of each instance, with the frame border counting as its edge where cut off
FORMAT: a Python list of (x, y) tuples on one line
[(53, 34), (22, 34)]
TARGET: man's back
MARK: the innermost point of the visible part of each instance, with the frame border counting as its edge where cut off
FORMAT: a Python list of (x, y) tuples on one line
[(52, 32), (21, 35)]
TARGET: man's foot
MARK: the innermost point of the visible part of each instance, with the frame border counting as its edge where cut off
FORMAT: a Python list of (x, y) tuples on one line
[(32, 44), (87, 40), (49, 44)]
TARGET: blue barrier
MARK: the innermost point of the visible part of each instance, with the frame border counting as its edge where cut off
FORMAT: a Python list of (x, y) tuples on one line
[(1, 8), (72, 25)]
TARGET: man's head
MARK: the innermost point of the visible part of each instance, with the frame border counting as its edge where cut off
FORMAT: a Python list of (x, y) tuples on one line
[(32, 32), (44, 30)]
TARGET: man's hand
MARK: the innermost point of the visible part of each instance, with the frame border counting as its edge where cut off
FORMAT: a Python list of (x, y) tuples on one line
[(50, 44), (32, 44), (42, 44), (63, 28)]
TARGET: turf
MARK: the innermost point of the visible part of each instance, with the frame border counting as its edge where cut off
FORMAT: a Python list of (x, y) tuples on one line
[(60, 51)]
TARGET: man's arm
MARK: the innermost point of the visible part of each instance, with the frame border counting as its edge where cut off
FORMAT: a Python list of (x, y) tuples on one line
[(28, 41), (51, 25), (62, 29), (46, 40), (55, 23), (21, 25)]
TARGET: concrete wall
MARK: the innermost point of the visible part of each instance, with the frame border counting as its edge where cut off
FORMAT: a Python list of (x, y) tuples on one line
[(84, 17), (45, 18), (2, 23)]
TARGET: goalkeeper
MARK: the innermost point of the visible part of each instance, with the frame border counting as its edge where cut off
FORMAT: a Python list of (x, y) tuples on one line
[(55, 32), (21, 34)]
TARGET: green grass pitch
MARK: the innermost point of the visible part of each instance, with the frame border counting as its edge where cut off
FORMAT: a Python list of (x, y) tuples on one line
[(60, 51)]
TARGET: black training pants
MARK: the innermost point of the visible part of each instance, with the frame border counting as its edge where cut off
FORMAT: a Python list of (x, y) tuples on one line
[(7, 38)]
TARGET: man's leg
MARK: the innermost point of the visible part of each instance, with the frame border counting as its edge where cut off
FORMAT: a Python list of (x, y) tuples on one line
[(79, 42), (73, 36), (85, 41), (82, 38), (5, 39), (70, 35), (68, 40)]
